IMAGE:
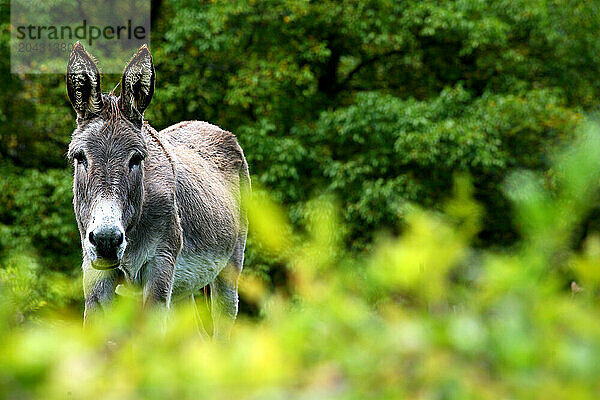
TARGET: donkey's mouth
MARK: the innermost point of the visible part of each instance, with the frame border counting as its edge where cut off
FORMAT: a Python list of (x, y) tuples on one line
[(104, 264)]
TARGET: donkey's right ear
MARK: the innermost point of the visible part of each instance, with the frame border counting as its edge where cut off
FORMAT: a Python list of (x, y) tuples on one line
[(83, 83)]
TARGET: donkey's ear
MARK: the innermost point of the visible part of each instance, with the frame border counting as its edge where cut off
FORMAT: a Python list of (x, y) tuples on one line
[(83, 83), (137, 85)]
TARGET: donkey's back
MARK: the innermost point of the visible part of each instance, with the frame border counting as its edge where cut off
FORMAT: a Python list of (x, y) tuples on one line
[(212, 174)]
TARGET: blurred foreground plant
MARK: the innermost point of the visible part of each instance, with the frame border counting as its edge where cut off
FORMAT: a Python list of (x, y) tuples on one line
[(423, 316)]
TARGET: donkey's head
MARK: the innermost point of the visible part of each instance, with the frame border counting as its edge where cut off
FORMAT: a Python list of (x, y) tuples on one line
[(108, 152)]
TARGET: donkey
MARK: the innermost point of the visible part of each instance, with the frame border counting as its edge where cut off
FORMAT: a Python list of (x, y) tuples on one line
[(159, 210)]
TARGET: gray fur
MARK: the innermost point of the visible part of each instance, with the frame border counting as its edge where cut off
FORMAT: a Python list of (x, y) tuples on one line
[(180, 208)]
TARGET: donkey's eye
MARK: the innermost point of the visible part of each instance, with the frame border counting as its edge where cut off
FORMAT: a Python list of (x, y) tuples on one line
[(80, 157), (135, 161)]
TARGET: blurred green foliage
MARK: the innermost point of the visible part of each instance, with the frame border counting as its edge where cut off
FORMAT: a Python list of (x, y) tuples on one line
[(425, 315), (379, 105)]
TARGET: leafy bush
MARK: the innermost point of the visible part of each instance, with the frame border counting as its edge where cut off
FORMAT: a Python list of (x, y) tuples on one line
[(383, 152), (37, 211), (425, 315), (39, 239)]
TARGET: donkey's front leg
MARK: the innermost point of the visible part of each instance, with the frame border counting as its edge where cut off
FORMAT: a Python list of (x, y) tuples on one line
[(98, 288), (158, 285), (158, 281)]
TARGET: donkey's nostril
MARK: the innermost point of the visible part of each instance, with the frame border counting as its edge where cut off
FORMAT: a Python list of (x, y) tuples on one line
[(119, 238), (107, 241)]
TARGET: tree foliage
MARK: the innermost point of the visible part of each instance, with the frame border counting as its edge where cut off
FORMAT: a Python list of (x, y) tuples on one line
[(381, 102), (376, 103)]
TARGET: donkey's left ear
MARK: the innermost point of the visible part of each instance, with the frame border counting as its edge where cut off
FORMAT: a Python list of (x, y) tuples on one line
[(137, 85)]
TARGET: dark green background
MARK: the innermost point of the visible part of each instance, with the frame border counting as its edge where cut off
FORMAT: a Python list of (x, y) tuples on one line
[(378, 103)]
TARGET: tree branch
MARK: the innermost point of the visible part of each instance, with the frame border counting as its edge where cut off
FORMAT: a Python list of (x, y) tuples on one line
[(363, 64)]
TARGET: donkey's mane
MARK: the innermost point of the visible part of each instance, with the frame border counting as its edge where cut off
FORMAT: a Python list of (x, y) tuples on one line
[(112, 110), (154, 136)]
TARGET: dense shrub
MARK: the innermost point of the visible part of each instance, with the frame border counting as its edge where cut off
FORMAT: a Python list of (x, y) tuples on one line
[(383, 152), (392, 324)]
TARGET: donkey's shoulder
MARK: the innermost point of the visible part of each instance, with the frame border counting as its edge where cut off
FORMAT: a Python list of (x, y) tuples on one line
[(209, 141)]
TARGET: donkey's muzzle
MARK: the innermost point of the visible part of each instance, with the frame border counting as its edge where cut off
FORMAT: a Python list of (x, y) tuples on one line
[(107, 242)]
